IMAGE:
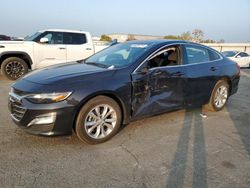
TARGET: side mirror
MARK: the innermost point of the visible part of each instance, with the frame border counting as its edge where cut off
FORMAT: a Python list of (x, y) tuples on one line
[(144, 70), (44, 40)]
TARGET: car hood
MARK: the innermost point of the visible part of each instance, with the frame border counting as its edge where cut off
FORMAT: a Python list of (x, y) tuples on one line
[(64, 73), (15, 45), (14, 42)]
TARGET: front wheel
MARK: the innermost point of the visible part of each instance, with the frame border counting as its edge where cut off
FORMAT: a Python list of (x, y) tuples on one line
[(98, 120), (13, 68), (219, 96)]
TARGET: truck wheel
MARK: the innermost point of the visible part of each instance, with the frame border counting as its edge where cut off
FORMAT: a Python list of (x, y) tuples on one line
[(13, 68), (98, 120), (219, 96)]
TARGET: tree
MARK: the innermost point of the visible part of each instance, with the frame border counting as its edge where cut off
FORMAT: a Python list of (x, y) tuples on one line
[(106, 38), (221, 41), (171, 37), (131, 37), (208, 41), (186, 36), (198, 35)]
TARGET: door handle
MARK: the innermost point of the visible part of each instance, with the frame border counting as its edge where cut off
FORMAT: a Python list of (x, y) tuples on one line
[(88, 48), (213, 68), (62, 48), (178, 74)]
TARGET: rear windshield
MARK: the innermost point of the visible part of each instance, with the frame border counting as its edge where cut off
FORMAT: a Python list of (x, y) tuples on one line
[(229, 53)]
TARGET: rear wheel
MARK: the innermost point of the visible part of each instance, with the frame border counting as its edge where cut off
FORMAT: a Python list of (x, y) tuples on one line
[(98, 120), (219, 96), (13, 68)]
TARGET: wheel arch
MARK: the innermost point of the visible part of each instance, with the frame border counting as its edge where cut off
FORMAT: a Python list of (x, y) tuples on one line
[(110, 94), (225, 78), (228, 80), (23, 55)]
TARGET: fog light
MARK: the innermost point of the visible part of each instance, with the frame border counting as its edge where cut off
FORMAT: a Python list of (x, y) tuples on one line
[(43, 119)]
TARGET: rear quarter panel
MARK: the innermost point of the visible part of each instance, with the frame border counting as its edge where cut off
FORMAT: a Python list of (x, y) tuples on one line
[(230, 71)]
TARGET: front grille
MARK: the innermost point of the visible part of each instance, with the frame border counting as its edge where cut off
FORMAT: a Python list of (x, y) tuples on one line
[(16, 108)]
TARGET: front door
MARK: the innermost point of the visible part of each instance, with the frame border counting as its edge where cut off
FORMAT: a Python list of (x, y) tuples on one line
[(50, 53), (159, 84)]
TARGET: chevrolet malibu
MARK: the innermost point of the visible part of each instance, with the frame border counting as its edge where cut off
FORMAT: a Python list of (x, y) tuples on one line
[(120, 84)]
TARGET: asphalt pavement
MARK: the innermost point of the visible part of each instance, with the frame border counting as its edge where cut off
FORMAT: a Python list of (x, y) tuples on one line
[(185, 148)]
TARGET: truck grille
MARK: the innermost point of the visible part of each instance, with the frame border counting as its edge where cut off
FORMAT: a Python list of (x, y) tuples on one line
[(16, 109)]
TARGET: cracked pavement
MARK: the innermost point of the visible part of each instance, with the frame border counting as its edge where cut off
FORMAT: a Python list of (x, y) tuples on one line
[(185, 148)]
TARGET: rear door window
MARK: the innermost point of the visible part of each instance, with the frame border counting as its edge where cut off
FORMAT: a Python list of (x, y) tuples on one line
[(74, 38), (197, 54)]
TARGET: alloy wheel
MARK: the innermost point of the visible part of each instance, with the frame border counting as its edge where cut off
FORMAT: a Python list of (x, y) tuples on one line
[(15, 69), (221, 96), (100, 121)]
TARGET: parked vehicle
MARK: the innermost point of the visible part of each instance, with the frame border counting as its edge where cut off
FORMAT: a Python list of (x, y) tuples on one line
[(4, 37), (44, 48), (242, 58), (122, 83)]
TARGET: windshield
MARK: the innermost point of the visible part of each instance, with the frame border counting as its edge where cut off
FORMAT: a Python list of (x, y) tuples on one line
[(118, 56), (229, 53), (32, 37)]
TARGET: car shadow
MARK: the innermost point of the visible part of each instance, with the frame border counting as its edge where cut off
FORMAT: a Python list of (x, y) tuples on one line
[(176, 177), (238, 109)]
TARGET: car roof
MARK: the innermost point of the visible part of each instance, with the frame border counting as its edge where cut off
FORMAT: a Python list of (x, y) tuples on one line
[(157, 42), (64, 30), (162, 42), (235, 51)]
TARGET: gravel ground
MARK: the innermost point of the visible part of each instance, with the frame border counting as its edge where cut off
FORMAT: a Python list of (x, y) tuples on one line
[(177, 149)]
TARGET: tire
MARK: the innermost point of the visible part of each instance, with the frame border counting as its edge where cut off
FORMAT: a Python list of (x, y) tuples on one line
[(221, 91), (14, 68), (93, 128)]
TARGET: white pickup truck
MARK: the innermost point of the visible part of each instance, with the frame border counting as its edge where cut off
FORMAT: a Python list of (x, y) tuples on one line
[(44, 48)]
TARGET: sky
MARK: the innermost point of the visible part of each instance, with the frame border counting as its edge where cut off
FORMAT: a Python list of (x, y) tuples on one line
[(218, 19)]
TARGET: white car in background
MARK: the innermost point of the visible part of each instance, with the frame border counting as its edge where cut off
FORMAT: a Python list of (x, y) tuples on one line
[(45, 48), (242, 58)]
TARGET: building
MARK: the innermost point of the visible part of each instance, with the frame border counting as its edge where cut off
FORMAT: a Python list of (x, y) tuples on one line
[(125, 37)]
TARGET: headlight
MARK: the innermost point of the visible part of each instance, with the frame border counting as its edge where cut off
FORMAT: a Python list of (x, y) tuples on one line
[(48, 97), (11, 90)]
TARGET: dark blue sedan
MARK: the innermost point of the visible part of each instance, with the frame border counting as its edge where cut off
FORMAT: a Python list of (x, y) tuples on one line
[(125, 82)]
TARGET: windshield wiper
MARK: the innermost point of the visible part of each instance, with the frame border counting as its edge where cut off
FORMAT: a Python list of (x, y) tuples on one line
[(97, 64), (80, 61)]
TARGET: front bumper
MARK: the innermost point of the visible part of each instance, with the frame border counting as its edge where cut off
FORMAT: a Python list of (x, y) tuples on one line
[(42, 119)]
